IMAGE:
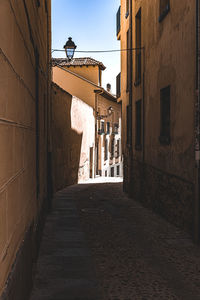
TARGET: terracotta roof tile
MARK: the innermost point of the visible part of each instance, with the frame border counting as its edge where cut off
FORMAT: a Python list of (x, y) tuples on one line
[(81, 61)]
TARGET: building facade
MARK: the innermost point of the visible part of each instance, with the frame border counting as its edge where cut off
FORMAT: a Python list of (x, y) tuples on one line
[(73, 131), (108, 137), (25, 33), (81, 78), (158, 93)]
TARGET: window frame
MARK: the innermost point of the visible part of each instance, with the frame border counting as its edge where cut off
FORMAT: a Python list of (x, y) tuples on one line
[(165, 116), (138, 125), (138, 44), (128, 67), (106, 150)]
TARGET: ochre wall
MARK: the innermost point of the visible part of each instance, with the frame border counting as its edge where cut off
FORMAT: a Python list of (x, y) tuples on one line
[(74, 85), (124, 94), (162, 176), (89, 72), (169, 59), (72, 136), (23, 28)]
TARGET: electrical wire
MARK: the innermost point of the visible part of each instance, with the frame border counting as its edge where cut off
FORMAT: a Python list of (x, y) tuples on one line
[(98, 51)]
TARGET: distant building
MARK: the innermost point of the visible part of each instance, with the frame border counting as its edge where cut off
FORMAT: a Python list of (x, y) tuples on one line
[(158, 87), (108, 136), (81, 78)]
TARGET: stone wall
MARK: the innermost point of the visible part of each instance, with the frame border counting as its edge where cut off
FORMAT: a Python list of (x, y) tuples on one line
[(168, 195)]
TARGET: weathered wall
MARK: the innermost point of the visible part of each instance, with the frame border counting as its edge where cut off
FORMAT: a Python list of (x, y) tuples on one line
[(24, 31), (72, 136), (166, 172)]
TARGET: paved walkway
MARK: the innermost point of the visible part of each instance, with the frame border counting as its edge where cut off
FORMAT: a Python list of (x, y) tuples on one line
[(65, 268), (136, 254)]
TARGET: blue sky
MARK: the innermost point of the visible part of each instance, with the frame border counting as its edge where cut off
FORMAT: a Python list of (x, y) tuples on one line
[(92, 26)]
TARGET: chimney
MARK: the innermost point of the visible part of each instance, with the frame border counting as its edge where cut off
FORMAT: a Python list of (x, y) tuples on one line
[(108, 87)]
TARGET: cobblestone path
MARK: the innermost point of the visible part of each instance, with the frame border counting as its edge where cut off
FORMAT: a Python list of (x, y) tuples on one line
[(136, 254)]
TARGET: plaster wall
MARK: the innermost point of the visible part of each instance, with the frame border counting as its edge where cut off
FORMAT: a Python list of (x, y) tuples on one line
[(169, 59), (24, 27), (75, 85), (89, 72), (73, 133), (162, 176), (122, 37)]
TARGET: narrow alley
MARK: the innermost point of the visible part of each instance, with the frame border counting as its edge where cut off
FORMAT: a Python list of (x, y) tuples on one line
[(100, 244), (93, 93)]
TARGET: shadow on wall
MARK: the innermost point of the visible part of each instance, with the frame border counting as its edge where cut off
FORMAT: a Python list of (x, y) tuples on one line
[(66, 142)]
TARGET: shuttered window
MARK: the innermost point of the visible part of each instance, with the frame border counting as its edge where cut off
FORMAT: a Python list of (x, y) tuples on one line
[(138, 119)]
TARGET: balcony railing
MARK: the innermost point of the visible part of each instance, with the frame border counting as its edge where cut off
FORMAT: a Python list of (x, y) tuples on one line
[(118, 20), (118, 85)]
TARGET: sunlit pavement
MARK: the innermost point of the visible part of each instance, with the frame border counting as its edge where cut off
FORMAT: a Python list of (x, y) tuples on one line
[(129, 252), (103, 180)]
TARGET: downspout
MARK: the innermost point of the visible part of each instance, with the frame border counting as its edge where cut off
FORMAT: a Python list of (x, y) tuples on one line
[(197, 130)]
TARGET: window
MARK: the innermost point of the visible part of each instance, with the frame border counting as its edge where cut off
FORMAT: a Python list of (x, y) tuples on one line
[(112, 172), (112, 150), (46, 8), (99, 77), (128, 125), (116, 128), (118, 149), (106, 150), (164, 9), (138, 43), (118, 170), (127, 9), (128, 66), (108, 128), (138, 118), (165, 116), (101, 127)]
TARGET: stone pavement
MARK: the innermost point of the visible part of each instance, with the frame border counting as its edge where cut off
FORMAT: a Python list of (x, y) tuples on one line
[(64, 268), (136, 255)]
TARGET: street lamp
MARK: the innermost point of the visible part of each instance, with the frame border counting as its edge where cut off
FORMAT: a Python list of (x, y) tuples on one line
[(70, 48)]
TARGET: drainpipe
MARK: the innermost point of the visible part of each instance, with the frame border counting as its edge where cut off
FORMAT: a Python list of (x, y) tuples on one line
[(197, 130)]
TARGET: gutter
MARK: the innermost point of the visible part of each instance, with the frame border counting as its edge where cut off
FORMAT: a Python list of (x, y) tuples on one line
[(197, 131)]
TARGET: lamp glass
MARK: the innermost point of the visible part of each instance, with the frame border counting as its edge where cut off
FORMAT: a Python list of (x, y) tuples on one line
[(69, 48)]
